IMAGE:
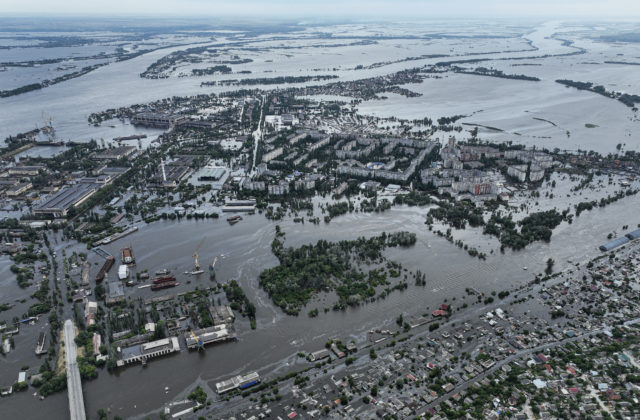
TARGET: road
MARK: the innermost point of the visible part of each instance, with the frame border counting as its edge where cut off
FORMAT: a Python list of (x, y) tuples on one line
[(257, 135), (518, 354), (74, 385)]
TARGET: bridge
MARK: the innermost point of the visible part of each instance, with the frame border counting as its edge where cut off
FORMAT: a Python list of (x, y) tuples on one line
[(74, 385)]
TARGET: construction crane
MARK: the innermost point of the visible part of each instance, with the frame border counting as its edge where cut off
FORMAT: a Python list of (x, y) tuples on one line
[(195, 255), (198, 340), (212, 269)]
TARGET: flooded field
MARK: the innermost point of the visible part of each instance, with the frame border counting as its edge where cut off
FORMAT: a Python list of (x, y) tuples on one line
[(510, 106), (541, 113)]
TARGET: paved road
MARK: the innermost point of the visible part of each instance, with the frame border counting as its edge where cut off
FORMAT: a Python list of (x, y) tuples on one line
[(74, 385)]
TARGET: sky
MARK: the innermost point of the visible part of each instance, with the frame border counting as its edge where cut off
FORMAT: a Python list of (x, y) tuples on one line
[(350, 9)]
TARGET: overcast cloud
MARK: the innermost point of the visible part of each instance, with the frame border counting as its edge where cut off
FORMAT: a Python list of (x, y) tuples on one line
[(331, 8)]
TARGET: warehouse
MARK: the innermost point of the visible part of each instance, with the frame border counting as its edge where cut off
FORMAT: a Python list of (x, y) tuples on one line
[(614, 244)]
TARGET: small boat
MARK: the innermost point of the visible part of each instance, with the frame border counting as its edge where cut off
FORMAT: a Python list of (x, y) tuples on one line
[(234, 219), (162, 272), (525, 268), (196, 272)]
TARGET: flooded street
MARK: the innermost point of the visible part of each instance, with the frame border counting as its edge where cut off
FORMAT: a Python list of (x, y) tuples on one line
[(244, 251), (540, 113)]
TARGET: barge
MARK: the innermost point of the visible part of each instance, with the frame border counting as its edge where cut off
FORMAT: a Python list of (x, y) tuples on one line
[(127, 257), (164, 285), (105, 268)]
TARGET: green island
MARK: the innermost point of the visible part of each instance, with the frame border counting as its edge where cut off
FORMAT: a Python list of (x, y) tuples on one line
[(332, 266)]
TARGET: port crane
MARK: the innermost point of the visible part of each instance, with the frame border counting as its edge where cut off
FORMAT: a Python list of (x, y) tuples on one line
[(198, 340), (212, 269), (48, 126), (195, 258)]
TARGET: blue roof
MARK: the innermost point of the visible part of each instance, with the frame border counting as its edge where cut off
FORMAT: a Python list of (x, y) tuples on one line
[(633, 235), (614, 244)]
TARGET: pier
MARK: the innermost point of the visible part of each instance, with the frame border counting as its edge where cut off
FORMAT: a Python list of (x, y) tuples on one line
[(114, 237), (74, 385)]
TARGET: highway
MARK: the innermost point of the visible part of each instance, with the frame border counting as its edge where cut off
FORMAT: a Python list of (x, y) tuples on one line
[(74, 385)]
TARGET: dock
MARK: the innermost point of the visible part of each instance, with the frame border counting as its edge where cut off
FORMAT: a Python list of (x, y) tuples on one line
[(132, 137), (115, 237), (100, 251), (74, 385)]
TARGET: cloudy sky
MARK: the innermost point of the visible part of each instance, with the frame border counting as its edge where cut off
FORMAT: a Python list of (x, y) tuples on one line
[(331, 8)]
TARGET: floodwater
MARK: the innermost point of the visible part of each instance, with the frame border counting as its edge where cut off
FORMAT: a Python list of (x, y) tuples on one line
[(245, 250), (509, 105)]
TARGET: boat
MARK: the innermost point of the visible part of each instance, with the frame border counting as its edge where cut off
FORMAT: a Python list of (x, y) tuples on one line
[(162, 272), (163, 279), (164, 285), (105, 268), (196, 272), (234, 219), (127, 257), (525, 268)]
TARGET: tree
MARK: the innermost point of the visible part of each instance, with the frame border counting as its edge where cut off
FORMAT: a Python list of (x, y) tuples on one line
[(549, 268)]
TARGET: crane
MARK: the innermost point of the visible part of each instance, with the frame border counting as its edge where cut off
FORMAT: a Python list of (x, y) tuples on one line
[(48, 126), (198, 340), (195, 255), (212, 269)]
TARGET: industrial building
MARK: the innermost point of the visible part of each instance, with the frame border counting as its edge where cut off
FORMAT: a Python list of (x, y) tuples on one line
[(68, 197), (211, 174), (241, 382), (614, 244), (115, 153), (145, 351), (18, 190), (222, 314), (26, 170), (115, 293), (239, 205), (156, 119), (319, 355), (631, 236), (209, 335)]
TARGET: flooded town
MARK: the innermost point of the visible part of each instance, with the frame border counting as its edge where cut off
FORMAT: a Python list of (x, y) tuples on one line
[(339, 220)]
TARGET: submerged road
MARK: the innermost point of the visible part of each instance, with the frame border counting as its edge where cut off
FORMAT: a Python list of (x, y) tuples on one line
[(74, 385)]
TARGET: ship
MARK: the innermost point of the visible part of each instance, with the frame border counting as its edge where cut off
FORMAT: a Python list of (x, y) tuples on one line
[(162, 272), (163, 279), (126, 255), (234, 219), (164, 285), (105, 268)]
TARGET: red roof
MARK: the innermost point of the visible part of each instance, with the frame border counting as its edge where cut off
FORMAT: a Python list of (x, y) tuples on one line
[(542, 357), (439, 312), (444, 307), (292, 414)]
